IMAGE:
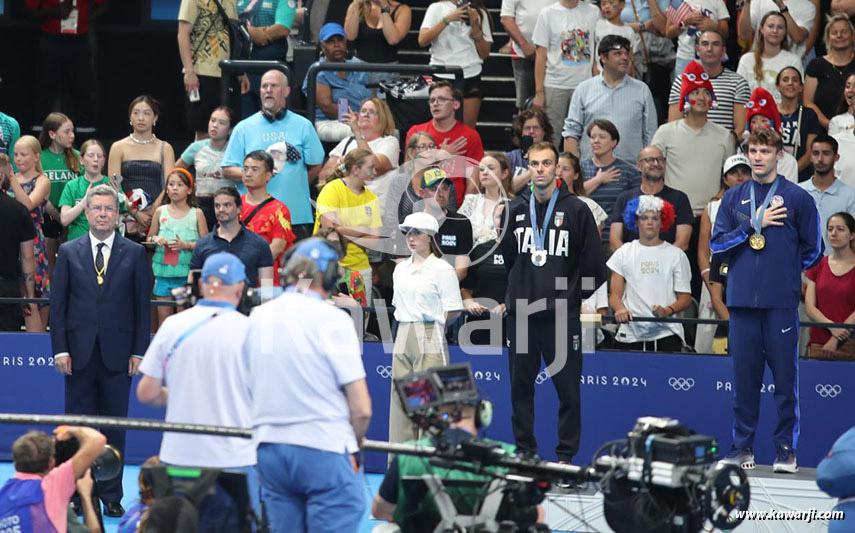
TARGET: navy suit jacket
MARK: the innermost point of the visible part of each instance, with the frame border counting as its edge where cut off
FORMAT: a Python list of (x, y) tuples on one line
[(117, 313)]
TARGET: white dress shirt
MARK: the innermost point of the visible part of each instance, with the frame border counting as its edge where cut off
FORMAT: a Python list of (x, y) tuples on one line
[(105, 251), (426, 292)]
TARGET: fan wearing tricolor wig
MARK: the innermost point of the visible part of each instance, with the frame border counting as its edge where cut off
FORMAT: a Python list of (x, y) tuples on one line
[(641, 204)]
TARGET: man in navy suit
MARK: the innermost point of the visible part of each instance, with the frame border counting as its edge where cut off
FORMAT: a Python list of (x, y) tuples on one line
[(100, 321)]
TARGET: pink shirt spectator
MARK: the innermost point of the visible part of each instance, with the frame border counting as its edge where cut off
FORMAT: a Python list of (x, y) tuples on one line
[(58, 487)]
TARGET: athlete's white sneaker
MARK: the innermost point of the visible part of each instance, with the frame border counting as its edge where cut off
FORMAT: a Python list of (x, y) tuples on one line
[(742, 457), (785, 461)]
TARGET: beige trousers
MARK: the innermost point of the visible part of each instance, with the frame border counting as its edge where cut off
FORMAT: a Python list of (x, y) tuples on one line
[(419, 346)]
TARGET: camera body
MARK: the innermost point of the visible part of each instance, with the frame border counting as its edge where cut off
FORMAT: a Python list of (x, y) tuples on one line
[(104, 468)]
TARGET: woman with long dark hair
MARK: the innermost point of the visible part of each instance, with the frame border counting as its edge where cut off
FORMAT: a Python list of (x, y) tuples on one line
[(830, 295), (799, 123), (141, 159), (459, 36), (844, 120)]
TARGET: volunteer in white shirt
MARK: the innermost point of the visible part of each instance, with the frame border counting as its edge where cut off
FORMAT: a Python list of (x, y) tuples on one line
[(197, 354), (650, 277), (427, 297)]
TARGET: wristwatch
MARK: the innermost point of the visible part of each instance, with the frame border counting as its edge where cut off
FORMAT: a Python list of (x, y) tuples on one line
[(385, 10), (785, 9)]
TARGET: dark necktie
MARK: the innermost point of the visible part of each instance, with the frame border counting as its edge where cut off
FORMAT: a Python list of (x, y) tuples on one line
[(99, 257)]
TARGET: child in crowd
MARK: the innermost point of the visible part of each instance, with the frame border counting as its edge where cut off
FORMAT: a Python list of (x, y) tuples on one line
[(71, 204), (61, 164), (175, 227), (31, 188), (611, 24)]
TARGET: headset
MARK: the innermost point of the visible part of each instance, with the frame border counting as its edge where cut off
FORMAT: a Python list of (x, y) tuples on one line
[(322, 254), (279, 115)]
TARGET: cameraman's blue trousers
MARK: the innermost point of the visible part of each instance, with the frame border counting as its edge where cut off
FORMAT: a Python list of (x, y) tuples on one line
[(309, 490), (759, 337)]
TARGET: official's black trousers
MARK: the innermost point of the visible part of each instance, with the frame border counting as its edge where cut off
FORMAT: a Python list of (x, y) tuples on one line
[(532, 340), (96, 390)]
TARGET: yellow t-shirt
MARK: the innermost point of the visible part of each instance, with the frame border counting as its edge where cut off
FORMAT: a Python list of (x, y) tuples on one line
[(209, 37), (352, 210)]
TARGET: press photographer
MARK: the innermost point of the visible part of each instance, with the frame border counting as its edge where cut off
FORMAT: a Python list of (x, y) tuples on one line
[(36, 499), (444, 401)]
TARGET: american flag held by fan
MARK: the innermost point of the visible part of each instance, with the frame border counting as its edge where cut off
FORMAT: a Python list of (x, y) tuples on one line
[(677, 11)]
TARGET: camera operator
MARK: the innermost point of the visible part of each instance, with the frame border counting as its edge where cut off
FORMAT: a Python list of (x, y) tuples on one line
[(197, 353), (36, 499), (391, 504), (310, 402)]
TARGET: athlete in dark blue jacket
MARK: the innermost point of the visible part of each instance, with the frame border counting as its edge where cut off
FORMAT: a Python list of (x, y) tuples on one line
[(769, 231)]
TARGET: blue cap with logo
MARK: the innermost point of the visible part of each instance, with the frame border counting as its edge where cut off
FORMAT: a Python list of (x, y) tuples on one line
[(225, 266), (331, 29)]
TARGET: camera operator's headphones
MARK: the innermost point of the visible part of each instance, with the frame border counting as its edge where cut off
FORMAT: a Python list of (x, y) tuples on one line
[(322, 254)]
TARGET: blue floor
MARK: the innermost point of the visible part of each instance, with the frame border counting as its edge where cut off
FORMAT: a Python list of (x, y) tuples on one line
[(372, 483)]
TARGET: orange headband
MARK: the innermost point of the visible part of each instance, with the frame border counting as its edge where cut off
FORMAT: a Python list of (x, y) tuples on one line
[(182, 171)]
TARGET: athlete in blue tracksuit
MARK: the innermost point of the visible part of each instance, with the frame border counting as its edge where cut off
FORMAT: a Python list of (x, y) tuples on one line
[(763, 292)]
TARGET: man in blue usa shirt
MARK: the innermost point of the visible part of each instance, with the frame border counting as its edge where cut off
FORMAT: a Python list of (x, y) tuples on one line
[(768, 231)]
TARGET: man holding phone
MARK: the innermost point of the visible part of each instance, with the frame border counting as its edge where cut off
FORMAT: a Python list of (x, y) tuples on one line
[(336, 93)]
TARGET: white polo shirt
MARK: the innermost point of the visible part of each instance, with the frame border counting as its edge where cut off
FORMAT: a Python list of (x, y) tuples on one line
[(300, 352), (206, 382), (426, 292)]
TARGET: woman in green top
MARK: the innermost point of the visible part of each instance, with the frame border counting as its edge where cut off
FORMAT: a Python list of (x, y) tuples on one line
[(61, 164), (71, 202)]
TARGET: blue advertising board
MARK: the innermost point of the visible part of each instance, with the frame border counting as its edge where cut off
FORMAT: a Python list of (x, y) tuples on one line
[(617, 388)]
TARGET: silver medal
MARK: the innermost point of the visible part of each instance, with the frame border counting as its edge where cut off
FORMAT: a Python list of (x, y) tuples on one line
[(538, 258)]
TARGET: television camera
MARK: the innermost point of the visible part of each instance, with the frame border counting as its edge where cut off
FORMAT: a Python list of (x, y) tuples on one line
[(661, 478)]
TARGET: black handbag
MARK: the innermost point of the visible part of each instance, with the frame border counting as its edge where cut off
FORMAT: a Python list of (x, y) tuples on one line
[(240, 43)]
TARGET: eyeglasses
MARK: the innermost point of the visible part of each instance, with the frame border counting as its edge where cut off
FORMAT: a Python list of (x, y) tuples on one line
[(106, 208), (425, 147), (532, 128), (439, 100), (369, 112), (651, 160)]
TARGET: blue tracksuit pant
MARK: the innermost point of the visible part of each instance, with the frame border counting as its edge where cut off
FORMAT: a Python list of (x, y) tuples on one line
[(759, 337)]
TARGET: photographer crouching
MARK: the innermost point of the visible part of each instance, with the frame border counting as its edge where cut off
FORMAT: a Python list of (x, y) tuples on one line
[(37, 498)]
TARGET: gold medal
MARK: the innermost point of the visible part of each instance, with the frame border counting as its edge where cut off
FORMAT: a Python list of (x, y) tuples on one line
[(99, 279), (757, 241)]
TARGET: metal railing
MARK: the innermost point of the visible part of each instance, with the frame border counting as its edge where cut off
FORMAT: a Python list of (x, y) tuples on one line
[(317, 67)]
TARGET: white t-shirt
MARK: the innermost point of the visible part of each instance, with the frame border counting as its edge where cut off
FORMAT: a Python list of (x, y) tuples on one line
[(300, 352), (424, 293), (604, 27), (771, 67), (207, 384), (389, 146), (842, 123), (715, 10), (789, 167), (844, 169), (454, 46), (568, 36), (654, 275), (802, 11), (524, 13)]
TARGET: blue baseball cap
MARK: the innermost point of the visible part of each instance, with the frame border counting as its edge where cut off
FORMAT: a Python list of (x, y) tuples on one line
[(318, 250), (225, 266), (329, 30)]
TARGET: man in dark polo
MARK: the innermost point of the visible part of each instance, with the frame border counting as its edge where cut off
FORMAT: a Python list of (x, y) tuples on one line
[(229, 236)]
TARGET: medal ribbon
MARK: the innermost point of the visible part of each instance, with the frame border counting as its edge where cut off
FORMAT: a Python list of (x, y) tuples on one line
[(540, 234), (757, 216)]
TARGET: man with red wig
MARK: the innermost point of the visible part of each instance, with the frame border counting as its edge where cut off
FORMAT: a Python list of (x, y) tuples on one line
[(650, 277)]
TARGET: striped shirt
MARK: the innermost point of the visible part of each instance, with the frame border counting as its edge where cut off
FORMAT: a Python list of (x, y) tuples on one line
[(607, 194), (730, 88)]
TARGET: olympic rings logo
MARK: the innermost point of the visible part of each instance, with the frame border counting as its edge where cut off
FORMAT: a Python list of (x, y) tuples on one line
[(543, 376), (681, 384), (384, 371), (828, 391)]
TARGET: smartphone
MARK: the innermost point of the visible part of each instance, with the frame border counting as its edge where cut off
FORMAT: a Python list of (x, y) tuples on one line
[(342, 288), (193, 95), (526, 142), (342, 108), (461, 3)]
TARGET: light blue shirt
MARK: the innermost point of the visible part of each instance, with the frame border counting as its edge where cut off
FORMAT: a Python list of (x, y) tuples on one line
[(351, 87), (291, 185), (629, 106), (839, 197), (643, 7)]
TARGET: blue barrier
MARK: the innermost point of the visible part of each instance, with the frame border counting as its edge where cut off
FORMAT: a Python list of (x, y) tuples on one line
[(617, 388)]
